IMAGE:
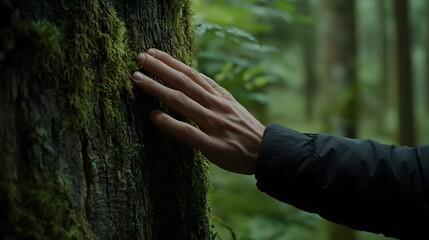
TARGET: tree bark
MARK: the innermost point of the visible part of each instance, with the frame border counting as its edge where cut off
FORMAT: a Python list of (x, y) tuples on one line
[(404, 73), (80, 158)]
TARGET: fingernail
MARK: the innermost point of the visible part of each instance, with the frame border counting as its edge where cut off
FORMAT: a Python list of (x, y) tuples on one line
[(141, 57), (138, 76), (151, 52), (155, 112)]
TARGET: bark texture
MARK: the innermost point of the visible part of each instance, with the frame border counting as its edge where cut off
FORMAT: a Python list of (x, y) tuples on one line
[(79, 157)]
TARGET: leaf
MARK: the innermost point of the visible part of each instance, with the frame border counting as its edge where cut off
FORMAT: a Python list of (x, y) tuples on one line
[(232, 33)]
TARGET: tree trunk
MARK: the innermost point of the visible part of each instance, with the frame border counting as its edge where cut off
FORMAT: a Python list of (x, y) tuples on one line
[(426, 91), (404, 73), (309, 55), (79, 156), (340, 85), (383, 83)]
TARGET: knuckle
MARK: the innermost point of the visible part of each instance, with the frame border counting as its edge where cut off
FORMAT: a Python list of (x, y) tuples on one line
[(178, 98), (181, 81), (186, 132), (182, 78), (223, 123), (162, 118), (227, 94), (217, 122), (192, 73), (225, 106)]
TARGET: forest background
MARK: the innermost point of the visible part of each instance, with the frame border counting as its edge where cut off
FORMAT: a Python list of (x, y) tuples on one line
[(354, 68)]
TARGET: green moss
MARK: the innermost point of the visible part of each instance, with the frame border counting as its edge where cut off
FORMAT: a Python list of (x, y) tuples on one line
[(182, 17), (201, 192), (35, 203), (40, 209), (97, 63)]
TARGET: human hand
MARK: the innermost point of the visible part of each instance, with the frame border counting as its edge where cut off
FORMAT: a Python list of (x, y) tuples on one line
[(228, 135)]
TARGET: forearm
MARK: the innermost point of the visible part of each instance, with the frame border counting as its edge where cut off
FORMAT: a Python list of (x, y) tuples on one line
[(346, 180)]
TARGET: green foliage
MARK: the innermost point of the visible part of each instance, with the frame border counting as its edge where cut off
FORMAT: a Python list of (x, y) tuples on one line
[(250, 15), (220, 222), (230, 51), (240, 210), (241, 70), (228, 33), (245, 84)]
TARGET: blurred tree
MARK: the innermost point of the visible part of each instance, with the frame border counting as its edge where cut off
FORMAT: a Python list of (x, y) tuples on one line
[(79, 157), (404, 74), (426, 103), (307, 35), (383, 86), (340, 84)]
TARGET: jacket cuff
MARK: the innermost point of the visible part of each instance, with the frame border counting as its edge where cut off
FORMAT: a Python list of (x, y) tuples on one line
[(281, 153)]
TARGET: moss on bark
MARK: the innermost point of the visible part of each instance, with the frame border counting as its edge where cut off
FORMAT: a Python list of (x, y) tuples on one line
[(96, 62), (87, 53)]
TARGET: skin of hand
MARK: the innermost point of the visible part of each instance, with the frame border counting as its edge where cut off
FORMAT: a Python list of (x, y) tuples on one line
[(227, 134)]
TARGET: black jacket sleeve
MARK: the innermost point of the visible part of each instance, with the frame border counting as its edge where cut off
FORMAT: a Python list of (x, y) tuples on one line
[(358, 183)]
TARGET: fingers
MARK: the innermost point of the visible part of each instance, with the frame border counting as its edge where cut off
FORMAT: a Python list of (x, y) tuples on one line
[(181, 67), (181, 130), (180, 82), (175, 99), (227, 134), (175, 79)]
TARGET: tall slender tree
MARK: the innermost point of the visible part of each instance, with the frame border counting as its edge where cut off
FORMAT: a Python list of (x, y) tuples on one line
[(79, 157), (404, 74), (307, 36), (427, 60), (340, 87), (383, 83)]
